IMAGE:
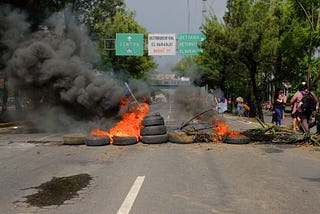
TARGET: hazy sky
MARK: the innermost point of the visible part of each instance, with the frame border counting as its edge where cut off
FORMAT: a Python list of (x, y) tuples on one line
[(173, 16)]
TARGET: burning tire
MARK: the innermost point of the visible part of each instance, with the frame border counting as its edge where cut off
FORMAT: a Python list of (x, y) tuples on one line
[(124, 141), (154, 139), (97, 141), (153, 114), (76, 139), (236, 140), (180, 137), (153, 130), (152, 121)]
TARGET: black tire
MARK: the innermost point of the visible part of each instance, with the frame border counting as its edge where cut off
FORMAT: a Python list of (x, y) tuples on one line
[(180, 137), (153, 114), (74, 139), (153, 130), (124, 141), (236, 140), (154, 139), (152, 121), (97, 141)]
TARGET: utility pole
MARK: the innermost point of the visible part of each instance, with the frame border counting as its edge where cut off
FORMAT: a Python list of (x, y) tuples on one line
[(188, 6), (204, 10)]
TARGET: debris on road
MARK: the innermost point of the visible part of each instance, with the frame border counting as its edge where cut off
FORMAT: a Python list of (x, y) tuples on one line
[(275, 134)]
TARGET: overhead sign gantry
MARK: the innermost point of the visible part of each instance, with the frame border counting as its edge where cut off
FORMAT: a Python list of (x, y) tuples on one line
[(132, 44)]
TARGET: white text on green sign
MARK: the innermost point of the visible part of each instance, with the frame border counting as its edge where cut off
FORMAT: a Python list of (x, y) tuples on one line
[(189, 43), (129, 44)]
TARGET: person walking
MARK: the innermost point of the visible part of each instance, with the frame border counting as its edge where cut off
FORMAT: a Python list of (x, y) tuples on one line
[(300, 100), (240, 109), (295, 120), (279, 105), (284, 101)]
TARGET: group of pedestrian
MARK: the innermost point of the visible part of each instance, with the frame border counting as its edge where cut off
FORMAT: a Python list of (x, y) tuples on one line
[(303, 103)]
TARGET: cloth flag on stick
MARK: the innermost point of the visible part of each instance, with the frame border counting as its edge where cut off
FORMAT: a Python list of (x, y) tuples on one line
[(129, 90)]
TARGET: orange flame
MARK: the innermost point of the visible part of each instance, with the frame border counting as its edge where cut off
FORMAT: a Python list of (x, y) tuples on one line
[(222, 129), (130, 123), (99, 133)]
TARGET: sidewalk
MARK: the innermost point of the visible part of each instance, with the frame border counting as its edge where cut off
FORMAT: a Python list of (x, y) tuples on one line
[(244, 123)]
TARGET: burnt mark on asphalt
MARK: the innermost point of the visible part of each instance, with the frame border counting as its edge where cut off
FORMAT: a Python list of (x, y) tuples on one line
[(313, 179), (273, 150), (58, 190)]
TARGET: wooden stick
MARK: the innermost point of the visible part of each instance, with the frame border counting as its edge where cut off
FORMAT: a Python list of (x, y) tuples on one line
[(186, 123)]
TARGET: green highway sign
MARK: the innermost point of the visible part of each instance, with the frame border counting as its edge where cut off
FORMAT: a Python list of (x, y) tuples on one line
[(129, 44), (188, 43)]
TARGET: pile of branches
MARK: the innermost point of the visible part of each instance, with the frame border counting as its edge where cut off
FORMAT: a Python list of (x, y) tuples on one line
[(202, 137), (275, 134)]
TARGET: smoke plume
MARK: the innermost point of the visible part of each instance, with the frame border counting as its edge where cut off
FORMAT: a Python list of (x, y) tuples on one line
[(53, 71)]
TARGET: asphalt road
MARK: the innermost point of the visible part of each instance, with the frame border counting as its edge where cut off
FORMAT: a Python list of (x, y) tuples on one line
[(167, 178)]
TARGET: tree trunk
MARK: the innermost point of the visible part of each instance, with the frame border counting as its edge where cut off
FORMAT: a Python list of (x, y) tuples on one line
[(17, 100), (256, 107), (256, 95), (5, 94)]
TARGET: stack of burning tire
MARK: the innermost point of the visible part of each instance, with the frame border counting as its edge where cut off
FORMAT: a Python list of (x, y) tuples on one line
[(154, 131)]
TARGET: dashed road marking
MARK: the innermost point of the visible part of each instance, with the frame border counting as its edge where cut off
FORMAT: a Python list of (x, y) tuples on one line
[(129, 200), (48, 136)]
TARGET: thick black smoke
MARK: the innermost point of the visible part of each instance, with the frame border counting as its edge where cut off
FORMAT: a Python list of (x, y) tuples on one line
[(190, 100), (53, 70)]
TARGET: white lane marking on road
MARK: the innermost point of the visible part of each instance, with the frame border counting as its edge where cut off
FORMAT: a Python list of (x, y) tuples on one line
[(131, 197), (48, 136)]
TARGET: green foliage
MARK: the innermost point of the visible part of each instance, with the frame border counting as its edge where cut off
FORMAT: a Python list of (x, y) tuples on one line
[(122, 22), (307, 12), (265, 34), (97, 11), (260, 44)]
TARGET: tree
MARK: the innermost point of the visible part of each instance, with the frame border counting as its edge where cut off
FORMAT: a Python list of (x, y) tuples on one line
[(122, 22), (218, 58), (96, 11), (308, 11), (240, 43), (258, 44)]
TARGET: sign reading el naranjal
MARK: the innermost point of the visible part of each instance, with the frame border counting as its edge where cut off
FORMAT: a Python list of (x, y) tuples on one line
[(129, 44), (189, 43)]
